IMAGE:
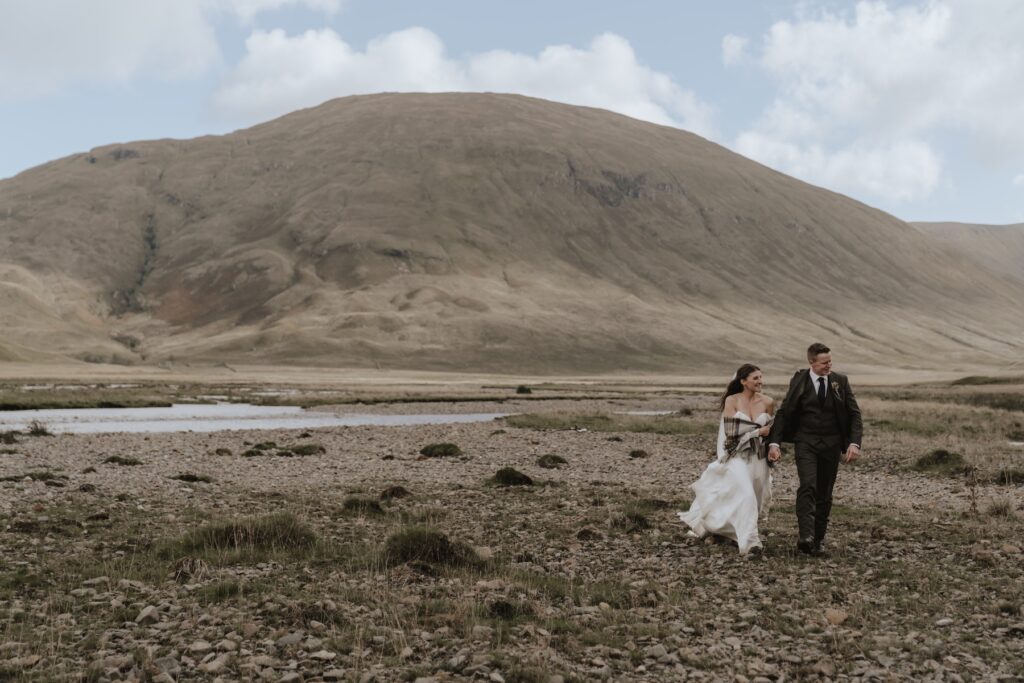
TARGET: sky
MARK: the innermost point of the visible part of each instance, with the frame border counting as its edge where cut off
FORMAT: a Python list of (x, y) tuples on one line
[(912, 106)]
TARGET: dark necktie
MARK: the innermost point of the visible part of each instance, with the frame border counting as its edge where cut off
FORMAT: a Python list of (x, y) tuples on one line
[(821, 390)]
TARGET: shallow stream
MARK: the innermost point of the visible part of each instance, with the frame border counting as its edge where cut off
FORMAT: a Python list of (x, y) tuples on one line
[(190, 417)]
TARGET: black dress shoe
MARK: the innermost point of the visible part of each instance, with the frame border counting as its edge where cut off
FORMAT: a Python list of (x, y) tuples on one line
[(805, 545), (818, 549)]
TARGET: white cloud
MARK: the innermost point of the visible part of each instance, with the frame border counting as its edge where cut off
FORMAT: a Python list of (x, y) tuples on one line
[(734, 49), (47, 45), (879, 87), (247, 9), (903, 171), (1018, 180), (280, 73)]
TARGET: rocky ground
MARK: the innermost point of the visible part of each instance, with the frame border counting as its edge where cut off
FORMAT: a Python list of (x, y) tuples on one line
[(263, 565)]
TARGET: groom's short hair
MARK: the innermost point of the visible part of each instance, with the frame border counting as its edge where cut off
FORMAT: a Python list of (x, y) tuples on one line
[(815, 349)]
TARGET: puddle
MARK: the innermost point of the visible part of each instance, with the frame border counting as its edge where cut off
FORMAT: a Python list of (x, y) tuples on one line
[(213, 418)]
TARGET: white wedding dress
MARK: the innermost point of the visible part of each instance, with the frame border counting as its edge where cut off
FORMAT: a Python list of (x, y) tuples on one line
[(731, 495)]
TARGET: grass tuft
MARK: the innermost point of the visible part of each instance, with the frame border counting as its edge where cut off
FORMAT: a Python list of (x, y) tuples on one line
[(393, 492), (193, 478), (509, 476), (639, 453), (37, 428), (280, 531), (508, 611), (124, 462), (420, 544), (1009, 476), (1001, 508), (39, 475), (551, 461), (941, 461), (364, 507), (523, 389), (307, 449), (440, 450)]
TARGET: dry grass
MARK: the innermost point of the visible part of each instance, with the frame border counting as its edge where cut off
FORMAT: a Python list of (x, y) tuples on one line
[(643, 424), (597, 568)]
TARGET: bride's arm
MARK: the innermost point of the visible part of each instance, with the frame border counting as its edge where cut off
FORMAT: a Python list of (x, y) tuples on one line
[(769, 407), (730, 406)]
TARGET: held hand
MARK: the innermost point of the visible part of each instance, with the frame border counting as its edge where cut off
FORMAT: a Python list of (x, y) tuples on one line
[(764, 431), (774, 454), (851, 454)]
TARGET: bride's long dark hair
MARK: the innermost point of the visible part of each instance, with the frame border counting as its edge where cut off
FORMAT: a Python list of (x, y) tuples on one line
[(736, 385)]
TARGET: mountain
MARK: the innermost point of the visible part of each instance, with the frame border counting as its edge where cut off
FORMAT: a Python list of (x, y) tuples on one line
[(999, 248), (473, 232)]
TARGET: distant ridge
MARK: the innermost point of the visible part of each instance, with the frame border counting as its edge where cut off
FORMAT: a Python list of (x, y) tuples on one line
[(474, 232)]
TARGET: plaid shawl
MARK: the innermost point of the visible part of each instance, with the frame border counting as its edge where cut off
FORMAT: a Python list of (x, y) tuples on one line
[(741, 438)]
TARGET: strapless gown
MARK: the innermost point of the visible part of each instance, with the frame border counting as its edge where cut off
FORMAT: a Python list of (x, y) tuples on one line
[(731, 495)]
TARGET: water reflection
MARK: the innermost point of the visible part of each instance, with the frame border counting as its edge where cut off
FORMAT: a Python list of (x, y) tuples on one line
[(212, 418)]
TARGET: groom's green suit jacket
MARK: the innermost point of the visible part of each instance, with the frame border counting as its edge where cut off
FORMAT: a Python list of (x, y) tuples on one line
[(787, 417)]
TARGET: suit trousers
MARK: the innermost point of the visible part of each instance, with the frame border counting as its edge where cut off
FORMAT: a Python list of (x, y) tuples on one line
[(817, 463)]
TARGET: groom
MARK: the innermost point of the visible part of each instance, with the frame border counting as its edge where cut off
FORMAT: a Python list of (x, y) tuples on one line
[(820, 415)]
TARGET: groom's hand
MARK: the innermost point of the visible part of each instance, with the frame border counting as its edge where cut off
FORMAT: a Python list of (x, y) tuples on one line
[(774, 453), (852, 453)]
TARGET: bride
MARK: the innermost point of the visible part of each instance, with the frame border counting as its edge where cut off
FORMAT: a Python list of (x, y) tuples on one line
[(737, 487)]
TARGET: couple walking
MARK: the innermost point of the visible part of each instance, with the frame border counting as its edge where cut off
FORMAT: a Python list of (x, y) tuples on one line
[(819, 415)]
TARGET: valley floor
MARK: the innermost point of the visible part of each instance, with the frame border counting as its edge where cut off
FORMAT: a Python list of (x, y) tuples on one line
[(290, 556)]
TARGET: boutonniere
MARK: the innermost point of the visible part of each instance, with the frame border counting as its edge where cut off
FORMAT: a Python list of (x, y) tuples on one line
[(835, 389)]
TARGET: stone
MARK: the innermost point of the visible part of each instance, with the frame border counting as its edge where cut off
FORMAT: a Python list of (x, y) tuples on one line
[(324, 655), (944, 622), (148, 615), (26, 662), (482, 632), (291, 677), (290, 639), (216, 665), (168, 665), (825, 667), (836, 616), (656, 651), (405, 653), (334, 675), (200, 647), (250, 629)]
